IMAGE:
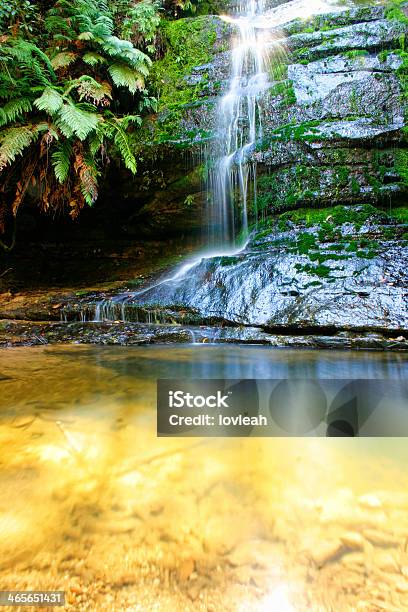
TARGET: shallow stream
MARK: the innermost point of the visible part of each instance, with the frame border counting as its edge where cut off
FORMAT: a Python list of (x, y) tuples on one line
[(93, 503)]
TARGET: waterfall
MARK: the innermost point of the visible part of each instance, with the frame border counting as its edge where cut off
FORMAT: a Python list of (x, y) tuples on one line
[(258, 40), (239, 128)]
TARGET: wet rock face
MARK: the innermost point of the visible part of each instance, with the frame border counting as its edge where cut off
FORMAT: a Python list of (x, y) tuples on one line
[(327, 276), (341, 112), (334, 107)]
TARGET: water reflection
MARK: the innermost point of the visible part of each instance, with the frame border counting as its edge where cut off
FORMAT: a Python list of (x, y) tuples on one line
[(93, 503)]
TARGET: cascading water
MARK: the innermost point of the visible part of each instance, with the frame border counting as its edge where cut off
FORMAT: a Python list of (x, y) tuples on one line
[(232, 169), (240, 126)]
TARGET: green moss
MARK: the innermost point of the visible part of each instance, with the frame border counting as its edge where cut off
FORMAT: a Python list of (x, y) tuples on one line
[(303, 54), (227, 261), (303, 131), (189, 42), (355, 186), (305, 243), (395, 12), (313, 284), (278, 71), (401, 164), (332, 217), (285, 90), (320, 270), (400, 214), (356, 53), (300, 183)]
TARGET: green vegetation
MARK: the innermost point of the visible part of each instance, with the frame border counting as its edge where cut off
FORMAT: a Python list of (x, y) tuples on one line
[(400, 214), (337, 215), (356, 54), (284, 90), (189, 43), (324, 242), (278, 71), (66, 92), (75, 83), (395, 11)]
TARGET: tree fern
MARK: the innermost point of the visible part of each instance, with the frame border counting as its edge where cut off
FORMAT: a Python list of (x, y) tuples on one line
[(56, 94)]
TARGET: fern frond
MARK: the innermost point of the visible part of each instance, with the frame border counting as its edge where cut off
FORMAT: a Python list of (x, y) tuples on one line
[(56, 23), (78, 121), (61, 161), (63, 59), (88, 177), (125, 76), (122, 142), (103, 27), (95, 142), (50, 101), (91, 90), (124, 122), (13, 142), (93, 59), (124, 50), (86, 36), (14, 110), (32, 61)]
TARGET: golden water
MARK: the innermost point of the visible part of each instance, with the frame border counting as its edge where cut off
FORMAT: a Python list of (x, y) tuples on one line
[(93, 503)]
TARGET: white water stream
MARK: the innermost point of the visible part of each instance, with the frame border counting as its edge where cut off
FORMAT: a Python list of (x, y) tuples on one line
[(257, 42), (240, 126)]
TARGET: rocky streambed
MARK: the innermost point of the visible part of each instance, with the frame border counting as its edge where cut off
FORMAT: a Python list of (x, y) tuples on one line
[(127, 524)]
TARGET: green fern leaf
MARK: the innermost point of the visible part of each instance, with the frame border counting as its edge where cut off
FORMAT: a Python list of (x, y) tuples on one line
[(92, 59), (125, 76), (128, 119), (13, 142), (14, 109), (123, 49), (50, 101), (95, 142), (63, 59), (61, 161), (32, 60), (122, 142), (86, 36), (78, 121)]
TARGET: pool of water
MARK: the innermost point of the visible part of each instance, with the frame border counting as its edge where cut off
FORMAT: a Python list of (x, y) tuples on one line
[(93, 503)]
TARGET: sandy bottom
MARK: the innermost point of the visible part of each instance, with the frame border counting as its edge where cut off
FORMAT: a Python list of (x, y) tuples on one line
[(93, 503)]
